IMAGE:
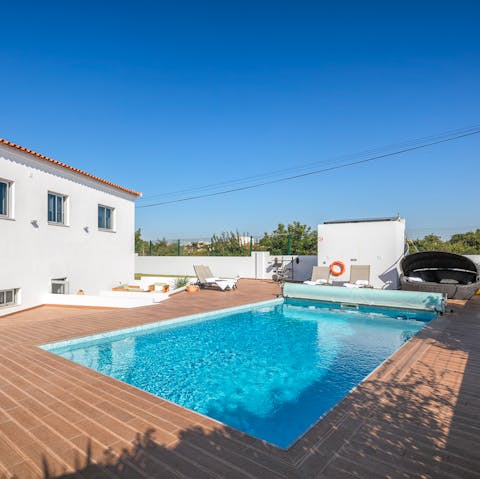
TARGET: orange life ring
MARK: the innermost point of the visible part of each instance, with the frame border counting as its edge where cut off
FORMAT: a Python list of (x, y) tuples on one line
[(334, 271)]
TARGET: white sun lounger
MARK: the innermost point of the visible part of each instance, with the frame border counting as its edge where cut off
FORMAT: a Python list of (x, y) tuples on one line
[(206, 279), (208, 271)]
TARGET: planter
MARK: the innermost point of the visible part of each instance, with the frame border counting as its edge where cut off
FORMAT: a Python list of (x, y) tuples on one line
[(159, 288), (192, 288)]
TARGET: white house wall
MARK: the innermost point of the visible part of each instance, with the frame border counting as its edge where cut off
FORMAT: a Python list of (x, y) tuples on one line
[(33, 252)]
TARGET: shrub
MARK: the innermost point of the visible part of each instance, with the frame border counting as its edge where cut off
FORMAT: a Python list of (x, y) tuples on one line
[(181, 282)]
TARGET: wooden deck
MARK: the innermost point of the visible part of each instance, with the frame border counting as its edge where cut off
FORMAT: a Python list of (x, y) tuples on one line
[(416, 416)]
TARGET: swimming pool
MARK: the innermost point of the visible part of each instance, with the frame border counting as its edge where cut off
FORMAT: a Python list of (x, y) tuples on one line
[(270, 370)]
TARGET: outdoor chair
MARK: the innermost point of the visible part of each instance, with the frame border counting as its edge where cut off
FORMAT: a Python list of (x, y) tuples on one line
[(359, 276), (320, 276)]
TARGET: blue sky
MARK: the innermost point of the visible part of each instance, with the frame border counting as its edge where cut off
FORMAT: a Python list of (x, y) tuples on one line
[(166, 96)]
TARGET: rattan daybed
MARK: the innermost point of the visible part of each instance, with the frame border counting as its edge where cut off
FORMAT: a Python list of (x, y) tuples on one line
[(440, 272)]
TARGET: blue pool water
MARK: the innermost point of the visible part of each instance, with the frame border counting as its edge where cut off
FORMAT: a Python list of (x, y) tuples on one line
[(270, 371)]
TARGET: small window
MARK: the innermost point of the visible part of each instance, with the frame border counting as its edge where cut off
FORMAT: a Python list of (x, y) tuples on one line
[(5, 200), (56, 208), (60, 286), (105, 217), (8, 297)]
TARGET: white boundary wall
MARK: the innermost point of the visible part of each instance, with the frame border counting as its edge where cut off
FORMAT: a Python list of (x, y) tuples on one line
[(257, 266)]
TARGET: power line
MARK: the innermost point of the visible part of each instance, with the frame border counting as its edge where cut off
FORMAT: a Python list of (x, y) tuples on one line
[(416, 145), (307, 166)]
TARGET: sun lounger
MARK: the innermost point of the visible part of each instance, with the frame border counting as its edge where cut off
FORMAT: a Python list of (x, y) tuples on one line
[(359, 276), (320, 276), (206, 279), (210, 275)]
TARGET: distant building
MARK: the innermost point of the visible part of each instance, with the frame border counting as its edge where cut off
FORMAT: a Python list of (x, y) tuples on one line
[(245, 240), (61, 229)]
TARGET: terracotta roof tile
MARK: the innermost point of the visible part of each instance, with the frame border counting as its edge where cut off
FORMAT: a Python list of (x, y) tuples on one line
[(68, 167)]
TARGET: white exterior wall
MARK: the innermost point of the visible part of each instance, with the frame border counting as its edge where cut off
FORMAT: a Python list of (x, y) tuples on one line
[(257, 266), (31, 256), (381, 244)]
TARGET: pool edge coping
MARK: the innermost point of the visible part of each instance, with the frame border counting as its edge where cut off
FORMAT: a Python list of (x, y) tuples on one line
[(52, 346)]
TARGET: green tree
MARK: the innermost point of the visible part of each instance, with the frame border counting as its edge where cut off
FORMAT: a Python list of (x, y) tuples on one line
[(157, 247), (196, 248), (460, 243), (141, 246), (467, 243), (303, 240), (430, 242), (228, 244), (162, 247)]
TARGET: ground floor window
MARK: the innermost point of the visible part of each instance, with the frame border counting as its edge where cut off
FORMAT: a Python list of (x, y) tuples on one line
[(60, 286), (8, 297)]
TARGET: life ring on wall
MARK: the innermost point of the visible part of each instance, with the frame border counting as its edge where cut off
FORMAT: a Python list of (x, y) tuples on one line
[(334, 268)]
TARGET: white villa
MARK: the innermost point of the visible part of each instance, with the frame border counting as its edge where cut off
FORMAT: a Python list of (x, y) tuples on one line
[(62, 230)]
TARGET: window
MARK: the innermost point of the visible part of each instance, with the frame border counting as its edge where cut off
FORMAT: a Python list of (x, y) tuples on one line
[(8, 297), (60, 286), (5, 187), (105, 218), (56, 208)]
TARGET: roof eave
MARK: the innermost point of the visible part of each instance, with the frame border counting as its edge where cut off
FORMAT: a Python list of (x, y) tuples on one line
[(70, 168)]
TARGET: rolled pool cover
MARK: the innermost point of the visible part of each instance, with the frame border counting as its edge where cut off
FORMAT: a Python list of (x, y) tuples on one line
[(367, 296)]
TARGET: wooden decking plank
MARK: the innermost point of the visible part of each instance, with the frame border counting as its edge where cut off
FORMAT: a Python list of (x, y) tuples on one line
[(417, 415)]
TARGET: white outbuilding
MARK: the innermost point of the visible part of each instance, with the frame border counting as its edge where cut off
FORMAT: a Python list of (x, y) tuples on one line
[(62, 230), (377, 244)]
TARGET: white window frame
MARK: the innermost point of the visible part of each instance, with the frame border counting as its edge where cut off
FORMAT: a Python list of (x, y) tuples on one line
[(64, 221), (112, 218), (9, 206), (3, 297)]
